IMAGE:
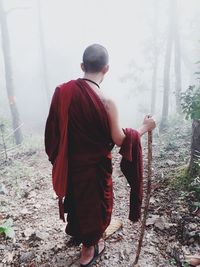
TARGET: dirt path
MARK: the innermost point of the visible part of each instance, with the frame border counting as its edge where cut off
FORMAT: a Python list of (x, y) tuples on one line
[(40, 238)]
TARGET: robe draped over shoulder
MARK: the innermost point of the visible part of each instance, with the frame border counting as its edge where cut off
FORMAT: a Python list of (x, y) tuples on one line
[(78, 143), (56, 136)]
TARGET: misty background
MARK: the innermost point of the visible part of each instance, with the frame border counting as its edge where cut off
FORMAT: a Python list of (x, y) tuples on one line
[(48, 37)]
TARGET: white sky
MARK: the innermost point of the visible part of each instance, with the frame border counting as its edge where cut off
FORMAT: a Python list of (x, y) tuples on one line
[(123, 26)]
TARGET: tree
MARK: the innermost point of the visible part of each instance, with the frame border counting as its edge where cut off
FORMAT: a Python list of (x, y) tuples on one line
[(167, 65), (177, 58), (173, 42), (191, 107), (9, 76), (42, 53), (155, 59)]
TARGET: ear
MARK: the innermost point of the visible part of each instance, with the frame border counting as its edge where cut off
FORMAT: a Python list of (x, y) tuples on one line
[(105, 69), (82, 67)]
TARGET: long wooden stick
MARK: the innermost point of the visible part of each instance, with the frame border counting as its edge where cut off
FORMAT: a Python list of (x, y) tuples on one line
[(147, 198)]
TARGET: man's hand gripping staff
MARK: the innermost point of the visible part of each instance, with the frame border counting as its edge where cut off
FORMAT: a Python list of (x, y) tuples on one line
[(148, 192)]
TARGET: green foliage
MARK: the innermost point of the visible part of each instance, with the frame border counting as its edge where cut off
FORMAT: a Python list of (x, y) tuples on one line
[(183, 180), (180, 177), (172, 261), (6, 229), (196, 205), (191, 102), (195, 185)]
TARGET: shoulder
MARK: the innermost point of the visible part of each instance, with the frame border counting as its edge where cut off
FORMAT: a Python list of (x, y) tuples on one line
[(65, 89), (67, 85), (108, 102), (111, 107)]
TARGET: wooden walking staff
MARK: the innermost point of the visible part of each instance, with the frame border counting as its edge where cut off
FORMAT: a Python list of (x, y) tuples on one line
[(147, 199)]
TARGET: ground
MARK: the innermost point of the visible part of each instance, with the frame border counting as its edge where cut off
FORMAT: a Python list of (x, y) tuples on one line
[(26, 196)]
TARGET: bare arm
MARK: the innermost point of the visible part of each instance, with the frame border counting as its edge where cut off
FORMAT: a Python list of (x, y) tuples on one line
[(116, 131)]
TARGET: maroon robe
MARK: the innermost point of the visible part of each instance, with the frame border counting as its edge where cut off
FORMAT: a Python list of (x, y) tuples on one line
[(132, 168), (78, 142)]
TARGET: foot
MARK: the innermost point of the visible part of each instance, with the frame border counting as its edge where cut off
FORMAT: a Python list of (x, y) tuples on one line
[(88, 253)]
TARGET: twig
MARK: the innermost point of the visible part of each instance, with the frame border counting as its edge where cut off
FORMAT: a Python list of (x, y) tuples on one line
[(11, 148), (3, 140), (14, 131), (147, 199)]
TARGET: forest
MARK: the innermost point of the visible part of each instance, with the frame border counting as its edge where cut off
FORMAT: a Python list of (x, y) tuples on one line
[(154, 69)]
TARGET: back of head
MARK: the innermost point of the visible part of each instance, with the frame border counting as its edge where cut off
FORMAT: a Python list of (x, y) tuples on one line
[(95, 58)]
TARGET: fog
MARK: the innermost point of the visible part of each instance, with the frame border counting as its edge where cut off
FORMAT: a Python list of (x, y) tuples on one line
[(125, 28)]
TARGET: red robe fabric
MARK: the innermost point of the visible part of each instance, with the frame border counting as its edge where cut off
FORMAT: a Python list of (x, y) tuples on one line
[(56, 139), (132, 168), (78, 143)]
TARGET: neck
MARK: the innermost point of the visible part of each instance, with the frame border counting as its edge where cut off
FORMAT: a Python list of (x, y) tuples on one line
[(90, 81), (95, 77)]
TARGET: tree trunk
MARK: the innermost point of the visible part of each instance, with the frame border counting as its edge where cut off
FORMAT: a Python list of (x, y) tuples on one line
[(177, 58), (194, 170), (9, 76), (166, 85), (154, 85), (155, 59), (43, 54)]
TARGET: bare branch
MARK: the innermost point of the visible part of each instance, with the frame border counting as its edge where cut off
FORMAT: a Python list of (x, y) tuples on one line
[(14, 131)]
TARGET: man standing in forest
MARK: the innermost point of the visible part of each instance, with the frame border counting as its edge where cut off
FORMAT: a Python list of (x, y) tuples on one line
[(81, 130)]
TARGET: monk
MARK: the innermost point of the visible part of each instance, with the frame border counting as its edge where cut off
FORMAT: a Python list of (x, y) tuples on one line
[(81, 129)]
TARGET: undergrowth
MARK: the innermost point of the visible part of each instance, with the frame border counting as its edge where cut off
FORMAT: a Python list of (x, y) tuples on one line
[(8, 148), (183, 180)]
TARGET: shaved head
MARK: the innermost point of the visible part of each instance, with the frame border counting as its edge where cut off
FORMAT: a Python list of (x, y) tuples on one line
[(95, 58)]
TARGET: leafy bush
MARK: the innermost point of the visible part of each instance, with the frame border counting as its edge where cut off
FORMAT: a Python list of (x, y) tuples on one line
[(191, 102), (182, 180)]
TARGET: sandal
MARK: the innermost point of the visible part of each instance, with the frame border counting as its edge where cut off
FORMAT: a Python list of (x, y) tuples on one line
[(95, 257)]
